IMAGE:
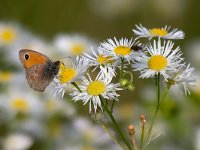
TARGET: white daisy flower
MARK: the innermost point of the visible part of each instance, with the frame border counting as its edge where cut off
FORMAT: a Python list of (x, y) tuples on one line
[(158, 58), (11, 38), (55, 105), (91, 90), (99, 60), (118, 49), (9, 34), (183, 78), (22, 102), (69, 74), (73, 45), (163, 32), (17, 141)]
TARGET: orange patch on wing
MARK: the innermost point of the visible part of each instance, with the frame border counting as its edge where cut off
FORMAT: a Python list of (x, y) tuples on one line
[(35, 59)]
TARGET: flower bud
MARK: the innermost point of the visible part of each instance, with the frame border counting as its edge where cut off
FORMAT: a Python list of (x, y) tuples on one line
[(131, 129), (143, 119), (131, 87), (123, 82)]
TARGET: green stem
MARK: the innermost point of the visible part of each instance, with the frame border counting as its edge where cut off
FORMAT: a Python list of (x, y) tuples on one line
[(158, 88), (134, 142), (76, 86), (131, 75), (157, 107), (112, 106), (142, 137), (122, 68), (115, 123), (155, 114), (165, 94)]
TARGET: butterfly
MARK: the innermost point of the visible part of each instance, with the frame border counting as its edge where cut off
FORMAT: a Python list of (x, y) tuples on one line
[(40, 70)]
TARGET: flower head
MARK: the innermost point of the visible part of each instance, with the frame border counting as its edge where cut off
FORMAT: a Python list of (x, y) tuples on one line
[(163, 32), (69, 74), (92, 89), (17, 141), (183, 78), (22, 102), (8, 34), (99, 60), (118, 49), (158, 58), (73, 45)]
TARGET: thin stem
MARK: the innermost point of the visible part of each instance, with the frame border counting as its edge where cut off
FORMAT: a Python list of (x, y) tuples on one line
[(155, 114), (115, 123), (106, 102), (134, 142), (142, 137), (165, 94), (122, 68), (157, 107), (158, 88), (112, 106), (76, 86), (131, 75)]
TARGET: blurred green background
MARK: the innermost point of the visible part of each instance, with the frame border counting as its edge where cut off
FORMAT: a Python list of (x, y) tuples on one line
[(179, 118), (101, 19)]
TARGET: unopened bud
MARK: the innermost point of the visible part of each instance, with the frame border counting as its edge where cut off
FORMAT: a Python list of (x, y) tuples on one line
[(171, 82), (123, 82), (131, 87), (131, 129), (143, 119)]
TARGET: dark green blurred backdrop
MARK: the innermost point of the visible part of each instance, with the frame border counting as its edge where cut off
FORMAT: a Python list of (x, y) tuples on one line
[(49, 17)]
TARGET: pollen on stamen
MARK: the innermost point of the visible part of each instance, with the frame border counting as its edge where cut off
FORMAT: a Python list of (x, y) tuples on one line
[(66, 74), (157, 62), (158, 32), (104, 59), (96, 88), (122, 50)]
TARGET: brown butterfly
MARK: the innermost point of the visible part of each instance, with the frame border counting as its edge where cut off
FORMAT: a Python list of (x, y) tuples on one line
[(40, 70)]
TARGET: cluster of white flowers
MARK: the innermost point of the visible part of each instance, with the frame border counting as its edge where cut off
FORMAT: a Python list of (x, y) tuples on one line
[(159, 56), (89, 73)]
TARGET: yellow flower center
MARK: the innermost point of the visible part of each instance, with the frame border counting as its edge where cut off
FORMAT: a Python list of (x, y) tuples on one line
[(158, 32), (122, 50), (66, 73), (104, 59), (8, 35), (78, 49), (20, 104), (5, 76), (157, 62), (96, 88)]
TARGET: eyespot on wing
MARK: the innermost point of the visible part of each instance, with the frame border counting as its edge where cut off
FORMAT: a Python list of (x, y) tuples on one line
[(31, 57)]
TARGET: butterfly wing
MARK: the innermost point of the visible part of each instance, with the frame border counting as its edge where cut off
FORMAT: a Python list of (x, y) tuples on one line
[(40, 70), (35, 78), (30, 57)]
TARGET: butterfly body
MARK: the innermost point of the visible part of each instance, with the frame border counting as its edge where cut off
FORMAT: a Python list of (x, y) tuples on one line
[(40, 70)]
